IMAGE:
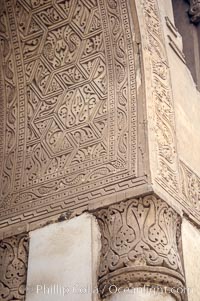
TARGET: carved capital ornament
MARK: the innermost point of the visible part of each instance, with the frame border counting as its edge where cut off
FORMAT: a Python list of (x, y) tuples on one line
[(140, 246), (13, 267)]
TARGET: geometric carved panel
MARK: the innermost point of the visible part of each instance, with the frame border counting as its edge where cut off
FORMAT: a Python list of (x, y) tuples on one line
[(68, 104)]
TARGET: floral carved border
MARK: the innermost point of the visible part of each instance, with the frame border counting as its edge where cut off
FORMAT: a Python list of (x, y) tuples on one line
[(190, 186), (162, 107), (172, 174)]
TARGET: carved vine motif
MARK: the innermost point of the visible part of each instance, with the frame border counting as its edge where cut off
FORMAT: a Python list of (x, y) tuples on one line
[(139, 242), (194, 11), (8, 105), (162, 101), (13, 267), (190, 186), (71, 121)]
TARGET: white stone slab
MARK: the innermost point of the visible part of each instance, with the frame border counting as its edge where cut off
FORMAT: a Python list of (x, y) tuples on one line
[(63, 261)]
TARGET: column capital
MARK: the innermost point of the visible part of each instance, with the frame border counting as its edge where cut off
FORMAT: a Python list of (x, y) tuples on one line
[(13, 263), (194, 11), (140, 246)]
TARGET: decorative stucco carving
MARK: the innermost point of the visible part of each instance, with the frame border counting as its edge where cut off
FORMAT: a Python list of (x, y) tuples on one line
[(68, 124), (194, 11), (68, 96), (13, 267), (190, 186), (140, 245), (161, 100)]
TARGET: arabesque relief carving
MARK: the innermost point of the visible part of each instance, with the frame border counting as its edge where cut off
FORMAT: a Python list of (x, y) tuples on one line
[(162, 100), (140, 245), (13, 267), (190, 186), (68, 103), (68, 96), (170, 173)]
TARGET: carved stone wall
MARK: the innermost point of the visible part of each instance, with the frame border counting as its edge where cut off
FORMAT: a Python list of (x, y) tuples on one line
[(160, 101), (13, 267), (71, 117), (190, 186), (166, 166), (68, 105), (140, 245)]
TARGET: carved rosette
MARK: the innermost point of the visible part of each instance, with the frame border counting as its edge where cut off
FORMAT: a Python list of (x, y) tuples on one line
[(140, 246), (13, 267), (194, 11)]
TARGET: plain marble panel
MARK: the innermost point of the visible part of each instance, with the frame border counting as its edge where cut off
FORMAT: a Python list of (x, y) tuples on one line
[(63, 261)]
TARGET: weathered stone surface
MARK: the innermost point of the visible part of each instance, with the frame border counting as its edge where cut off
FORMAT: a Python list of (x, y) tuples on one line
[(191, 254), (187, 110), (63, 260)]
